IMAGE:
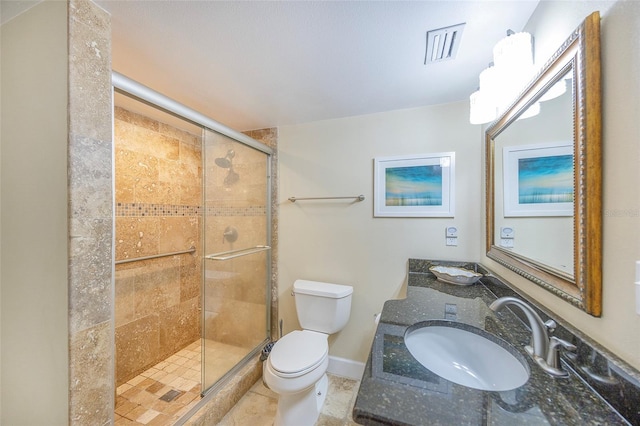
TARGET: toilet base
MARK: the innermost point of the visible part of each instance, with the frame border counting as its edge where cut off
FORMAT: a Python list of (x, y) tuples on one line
[(302, 408)]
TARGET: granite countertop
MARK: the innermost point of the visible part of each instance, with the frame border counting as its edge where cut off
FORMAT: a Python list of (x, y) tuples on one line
[(397, 390)]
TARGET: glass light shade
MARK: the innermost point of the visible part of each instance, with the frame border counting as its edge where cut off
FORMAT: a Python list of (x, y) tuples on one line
[(481, 110), (501, 83), (514, 52), (489, 80), (510, 86)]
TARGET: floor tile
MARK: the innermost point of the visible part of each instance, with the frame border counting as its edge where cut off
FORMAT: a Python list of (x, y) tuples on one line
[(147, 416), (253, 409), (339, 397), (138, 401), (259, 405)]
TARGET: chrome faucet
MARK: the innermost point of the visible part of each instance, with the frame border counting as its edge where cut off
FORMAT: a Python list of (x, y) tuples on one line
[(545, 351)]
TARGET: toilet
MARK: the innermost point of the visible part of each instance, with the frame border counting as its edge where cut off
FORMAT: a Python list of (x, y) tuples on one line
[(297, 365)]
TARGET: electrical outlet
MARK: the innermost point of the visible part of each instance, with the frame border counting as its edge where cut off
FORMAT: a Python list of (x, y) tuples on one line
[(452, 241), (451, 231), (506, 242)]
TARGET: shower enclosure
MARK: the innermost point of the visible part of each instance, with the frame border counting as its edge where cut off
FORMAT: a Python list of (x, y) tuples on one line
[(193, 234), (237, 253)]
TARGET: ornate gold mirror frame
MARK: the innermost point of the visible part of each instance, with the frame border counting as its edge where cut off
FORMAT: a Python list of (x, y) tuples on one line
[(580, 55)]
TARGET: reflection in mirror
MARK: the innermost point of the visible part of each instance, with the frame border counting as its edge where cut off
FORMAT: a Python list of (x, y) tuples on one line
[(544, 180), (534, 182)]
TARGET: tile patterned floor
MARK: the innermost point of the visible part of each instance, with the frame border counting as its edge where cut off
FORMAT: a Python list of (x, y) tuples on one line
[(165, 392), (258, 406)]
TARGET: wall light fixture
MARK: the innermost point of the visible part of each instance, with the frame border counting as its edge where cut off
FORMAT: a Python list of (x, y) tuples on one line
[(512, 68)]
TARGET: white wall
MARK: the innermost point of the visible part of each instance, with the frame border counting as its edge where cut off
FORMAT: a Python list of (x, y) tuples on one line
[(619, 327), (340, 241), (33, 280)]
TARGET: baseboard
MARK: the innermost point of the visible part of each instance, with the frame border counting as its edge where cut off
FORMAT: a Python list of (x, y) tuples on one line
[(345, 368)]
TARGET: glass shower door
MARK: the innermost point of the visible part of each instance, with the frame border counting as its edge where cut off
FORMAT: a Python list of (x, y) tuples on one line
[(236, 284)]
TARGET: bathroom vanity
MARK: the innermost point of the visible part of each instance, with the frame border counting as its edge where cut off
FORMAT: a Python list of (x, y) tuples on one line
[(397, 390)]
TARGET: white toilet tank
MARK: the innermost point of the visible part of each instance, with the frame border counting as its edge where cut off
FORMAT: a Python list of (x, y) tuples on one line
[(322, 307)]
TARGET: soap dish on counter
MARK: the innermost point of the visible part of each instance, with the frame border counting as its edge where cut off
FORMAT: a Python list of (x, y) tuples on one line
[(453, 275)]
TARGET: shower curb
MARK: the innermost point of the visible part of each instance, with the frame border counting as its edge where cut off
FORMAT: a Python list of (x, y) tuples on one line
[(228, 396)]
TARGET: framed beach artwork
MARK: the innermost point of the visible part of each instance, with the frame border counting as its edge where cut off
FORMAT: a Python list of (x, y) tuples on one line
[(414, 186), (538, 180)]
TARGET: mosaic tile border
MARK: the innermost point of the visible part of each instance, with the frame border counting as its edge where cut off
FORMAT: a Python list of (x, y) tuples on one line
[(173, 210), (154, 210)]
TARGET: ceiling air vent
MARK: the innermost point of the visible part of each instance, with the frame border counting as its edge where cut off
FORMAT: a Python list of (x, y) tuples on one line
[(442, 44)]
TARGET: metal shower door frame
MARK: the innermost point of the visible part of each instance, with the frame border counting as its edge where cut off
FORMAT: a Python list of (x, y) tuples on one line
[(151, 97)]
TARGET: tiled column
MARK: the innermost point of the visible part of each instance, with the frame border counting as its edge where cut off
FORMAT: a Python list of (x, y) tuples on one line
[(90, 174)]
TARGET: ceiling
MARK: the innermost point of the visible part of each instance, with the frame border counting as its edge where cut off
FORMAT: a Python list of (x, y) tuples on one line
[(257, 64)]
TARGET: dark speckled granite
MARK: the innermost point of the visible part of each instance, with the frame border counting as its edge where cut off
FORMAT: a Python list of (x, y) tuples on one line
[(397, 390)]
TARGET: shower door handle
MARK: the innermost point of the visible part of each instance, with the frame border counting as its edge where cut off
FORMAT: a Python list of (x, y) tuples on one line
[(226, 255)]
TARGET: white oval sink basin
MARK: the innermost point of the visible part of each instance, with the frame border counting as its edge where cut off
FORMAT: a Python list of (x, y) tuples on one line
[(467, 358)]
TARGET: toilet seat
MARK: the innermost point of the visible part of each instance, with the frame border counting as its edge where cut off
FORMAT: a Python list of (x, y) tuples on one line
[(298, 352)]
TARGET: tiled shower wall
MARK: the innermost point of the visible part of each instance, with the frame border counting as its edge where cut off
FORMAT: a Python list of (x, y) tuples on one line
[(158, 196)]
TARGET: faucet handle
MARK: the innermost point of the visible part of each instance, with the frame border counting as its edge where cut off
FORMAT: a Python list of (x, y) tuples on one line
[(555, 341), (551, 325), (553, 366)]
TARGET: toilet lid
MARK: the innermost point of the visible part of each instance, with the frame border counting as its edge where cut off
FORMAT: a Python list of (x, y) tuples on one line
[(299, 351)]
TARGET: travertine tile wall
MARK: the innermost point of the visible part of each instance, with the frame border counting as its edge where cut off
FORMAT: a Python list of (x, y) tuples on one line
[(158, 196), (91, 392)]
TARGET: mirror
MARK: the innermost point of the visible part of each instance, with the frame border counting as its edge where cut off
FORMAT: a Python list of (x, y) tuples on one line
[(544, 180)]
